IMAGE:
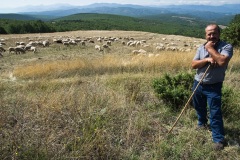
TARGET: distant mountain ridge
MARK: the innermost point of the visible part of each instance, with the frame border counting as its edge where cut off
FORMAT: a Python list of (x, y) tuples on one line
[(205, 12), (227, 9)]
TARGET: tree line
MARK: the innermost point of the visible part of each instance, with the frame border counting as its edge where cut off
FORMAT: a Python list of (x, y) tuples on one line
[(8, 26)]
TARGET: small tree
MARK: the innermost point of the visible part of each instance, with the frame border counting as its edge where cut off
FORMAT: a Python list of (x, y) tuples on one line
[(231, 34)]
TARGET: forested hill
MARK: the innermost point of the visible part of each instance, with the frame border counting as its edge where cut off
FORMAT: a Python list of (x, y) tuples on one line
[(167, 24), (15, 16), (90, 21)]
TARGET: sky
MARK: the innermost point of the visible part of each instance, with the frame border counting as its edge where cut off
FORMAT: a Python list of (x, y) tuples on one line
[(10, 4)]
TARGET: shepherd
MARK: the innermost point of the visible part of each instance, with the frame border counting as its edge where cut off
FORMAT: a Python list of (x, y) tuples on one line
[(209, 92)]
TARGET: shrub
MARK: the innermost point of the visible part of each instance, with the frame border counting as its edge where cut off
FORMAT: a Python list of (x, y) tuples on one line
[(230, 103), (174, 90)]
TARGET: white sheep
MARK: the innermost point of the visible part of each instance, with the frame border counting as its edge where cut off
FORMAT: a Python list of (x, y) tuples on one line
[(151, 55), (21, 43), (73, 42), (19, 50), (83, 43), (2, 49), (11, 49), (142, 51), (109, 43), (45, 43), (57, 40), (34, 49), (65, 43), (33, 43), (138, 43), (129, 43), (2, 43), (160, 48), (135, 52), (105, 46), (91, 41), (27, 47), (133, 44), (97, 47), (21, 46), (99, 39)]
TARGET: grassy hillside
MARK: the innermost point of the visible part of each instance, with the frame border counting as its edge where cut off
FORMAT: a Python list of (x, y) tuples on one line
[(75, 102)]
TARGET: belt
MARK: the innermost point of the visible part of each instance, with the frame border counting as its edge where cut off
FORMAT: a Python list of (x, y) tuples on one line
[(202, 83)]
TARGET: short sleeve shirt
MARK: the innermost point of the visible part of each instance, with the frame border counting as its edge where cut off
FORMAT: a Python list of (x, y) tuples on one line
[(214, 74)]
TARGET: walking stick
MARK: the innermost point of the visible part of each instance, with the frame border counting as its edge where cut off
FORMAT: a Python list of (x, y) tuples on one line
[(189, 99)]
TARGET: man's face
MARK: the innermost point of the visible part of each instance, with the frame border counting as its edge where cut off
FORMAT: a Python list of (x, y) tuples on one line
[(212, 33)]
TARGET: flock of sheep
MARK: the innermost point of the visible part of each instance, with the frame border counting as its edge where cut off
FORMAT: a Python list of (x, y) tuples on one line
[(100, 43), (22, 47)]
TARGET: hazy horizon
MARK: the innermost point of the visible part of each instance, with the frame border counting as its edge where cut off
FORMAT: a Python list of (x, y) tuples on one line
[(15, 6)]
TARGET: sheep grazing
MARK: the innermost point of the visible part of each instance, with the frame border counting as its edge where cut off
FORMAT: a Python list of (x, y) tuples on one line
[(32, 43), (135, 52), (19, 43), (97, 47), (83, 43), (105, 46), (72, 42), (109, 43), (27, 47), (160, 48), (65, 43), (11, 49), (57, 40), (34, 49), (45, 43), (99, 39), (2, 49), (91, 41), (19, 50), (21, 46), (2, 43)]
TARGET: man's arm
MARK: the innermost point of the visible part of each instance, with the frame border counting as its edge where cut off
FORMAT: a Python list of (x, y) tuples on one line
[(220, 59), (201, 63)]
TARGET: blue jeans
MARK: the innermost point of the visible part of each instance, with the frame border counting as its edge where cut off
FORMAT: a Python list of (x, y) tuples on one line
[(209, 94)]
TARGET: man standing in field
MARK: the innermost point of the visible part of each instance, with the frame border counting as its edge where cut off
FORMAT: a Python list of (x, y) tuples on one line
[(217, 54)]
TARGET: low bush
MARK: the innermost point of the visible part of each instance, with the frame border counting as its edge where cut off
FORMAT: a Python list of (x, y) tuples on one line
[(174, 90)]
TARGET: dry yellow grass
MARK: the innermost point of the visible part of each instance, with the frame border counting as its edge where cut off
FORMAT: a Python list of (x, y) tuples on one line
[(162, 63)]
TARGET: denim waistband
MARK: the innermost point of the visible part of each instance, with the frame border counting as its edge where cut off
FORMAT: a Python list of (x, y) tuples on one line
[(204, 83)]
